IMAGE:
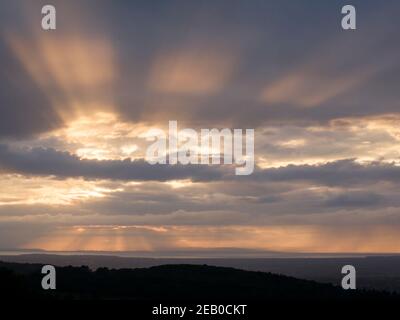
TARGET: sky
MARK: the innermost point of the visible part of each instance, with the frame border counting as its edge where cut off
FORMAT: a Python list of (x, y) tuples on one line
[(76, 103)]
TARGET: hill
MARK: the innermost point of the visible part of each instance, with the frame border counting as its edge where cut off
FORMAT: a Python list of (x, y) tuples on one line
[(381, 272), (172, 283)]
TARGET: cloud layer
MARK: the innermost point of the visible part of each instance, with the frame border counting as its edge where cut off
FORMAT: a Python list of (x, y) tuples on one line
[(324, 104)]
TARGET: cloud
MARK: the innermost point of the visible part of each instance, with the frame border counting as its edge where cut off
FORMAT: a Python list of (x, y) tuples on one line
[(40, 161), (51, 162), (211, 72), (24, 109), (355, 199), (312, 88), (191, 71), (324, 104), (341, 172)]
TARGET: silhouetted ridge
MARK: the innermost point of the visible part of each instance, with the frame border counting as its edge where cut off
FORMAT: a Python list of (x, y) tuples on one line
[(171, 283)]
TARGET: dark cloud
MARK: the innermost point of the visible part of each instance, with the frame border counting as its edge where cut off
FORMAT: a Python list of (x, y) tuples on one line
[(24, 108), (341, 173), (257, 35), (261, 33), (48, 161), (40, 161), (355, 199)]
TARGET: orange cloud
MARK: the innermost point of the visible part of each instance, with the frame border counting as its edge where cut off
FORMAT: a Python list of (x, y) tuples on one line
[(310, 88), (191, 71)]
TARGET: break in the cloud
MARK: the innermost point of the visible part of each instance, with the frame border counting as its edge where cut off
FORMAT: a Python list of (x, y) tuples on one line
[(75, 104)]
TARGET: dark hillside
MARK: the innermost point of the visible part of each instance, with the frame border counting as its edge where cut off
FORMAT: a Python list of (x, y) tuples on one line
[(171, 283)]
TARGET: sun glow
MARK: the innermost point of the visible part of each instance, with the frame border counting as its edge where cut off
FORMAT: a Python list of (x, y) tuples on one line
[(17, 190), (276, 238)]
